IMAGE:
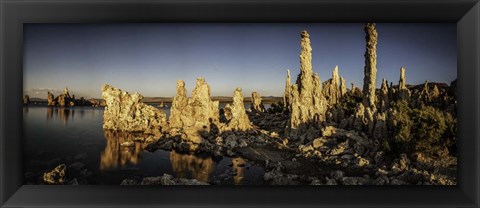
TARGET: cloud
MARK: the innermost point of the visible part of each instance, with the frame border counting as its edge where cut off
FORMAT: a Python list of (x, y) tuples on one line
[(42, 92)]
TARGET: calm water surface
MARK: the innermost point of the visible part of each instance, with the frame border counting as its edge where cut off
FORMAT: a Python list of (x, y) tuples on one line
[(75, 136)]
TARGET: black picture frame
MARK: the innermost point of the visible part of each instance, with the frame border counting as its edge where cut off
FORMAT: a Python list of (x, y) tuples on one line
[(466, 13)]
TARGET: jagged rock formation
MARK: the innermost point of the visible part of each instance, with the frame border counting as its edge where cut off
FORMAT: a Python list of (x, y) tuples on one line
[(287, 93), (384, 101), (51, 99), (204, 110), (61, 100), (331, 88), (64, 99), (126, 112), (257, 105), (308, 105), (179, 108), (370, 65), (343, 87), (56, 176), (403, 91), (434, 96), (26, 100), (193, 116), (239, 121)]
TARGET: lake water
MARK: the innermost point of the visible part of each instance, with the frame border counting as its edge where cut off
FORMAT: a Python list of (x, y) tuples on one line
[(75, 136)]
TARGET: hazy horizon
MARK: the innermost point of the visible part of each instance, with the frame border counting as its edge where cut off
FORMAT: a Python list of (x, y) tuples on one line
[(150, 58)]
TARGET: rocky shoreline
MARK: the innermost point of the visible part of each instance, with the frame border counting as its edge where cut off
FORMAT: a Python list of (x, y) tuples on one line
[(320, 134)]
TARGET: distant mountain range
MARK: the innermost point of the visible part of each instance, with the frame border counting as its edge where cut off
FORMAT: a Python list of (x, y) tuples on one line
[(226, 99)]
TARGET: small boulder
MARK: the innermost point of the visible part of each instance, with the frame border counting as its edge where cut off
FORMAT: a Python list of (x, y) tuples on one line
[(56, 176)]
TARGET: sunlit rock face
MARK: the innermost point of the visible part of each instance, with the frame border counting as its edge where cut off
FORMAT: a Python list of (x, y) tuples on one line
[(331, 88), (56, 176), (370, 70), (239, 121), (403, 91), (307, 105), (257, 105), (61, 99), (116, 155), (126, 112), (51, 99), (343, 87), (193, 115), (179, 109), (191, 166), (204, 110), (64, 99), (287, 93)]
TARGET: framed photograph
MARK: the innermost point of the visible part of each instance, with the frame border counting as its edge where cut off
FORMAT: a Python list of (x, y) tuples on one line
[(257, 103)]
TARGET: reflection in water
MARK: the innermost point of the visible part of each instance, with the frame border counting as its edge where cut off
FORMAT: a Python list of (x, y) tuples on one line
[(115, 155), (49, 113), (191, 166), (238, 169), (61, 113)]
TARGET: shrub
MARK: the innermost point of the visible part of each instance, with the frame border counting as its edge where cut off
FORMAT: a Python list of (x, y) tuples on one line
[(434, 130), (400, 127)]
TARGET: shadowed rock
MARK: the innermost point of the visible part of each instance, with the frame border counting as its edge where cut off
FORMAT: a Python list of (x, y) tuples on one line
[(26, 100), (384, 96), (164, 180)]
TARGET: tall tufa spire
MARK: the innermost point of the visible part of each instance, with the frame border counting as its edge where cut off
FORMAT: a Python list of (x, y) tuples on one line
[(370, 69)]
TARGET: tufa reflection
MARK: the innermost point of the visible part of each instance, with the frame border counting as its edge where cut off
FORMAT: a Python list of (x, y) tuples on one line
[(115, 155), (61, 113), (191, 166)]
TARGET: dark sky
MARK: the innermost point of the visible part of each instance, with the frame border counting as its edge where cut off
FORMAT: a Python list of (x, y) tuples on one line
[(150, 58)]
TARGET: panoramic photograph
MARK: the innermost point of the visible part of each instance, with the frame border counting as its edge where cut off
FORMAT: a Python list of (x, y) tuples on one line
[(240, 104)]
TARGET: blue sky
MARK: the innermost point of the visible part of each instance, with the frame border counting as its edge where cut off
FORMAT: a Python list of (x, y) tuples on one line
[(150, 58)]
